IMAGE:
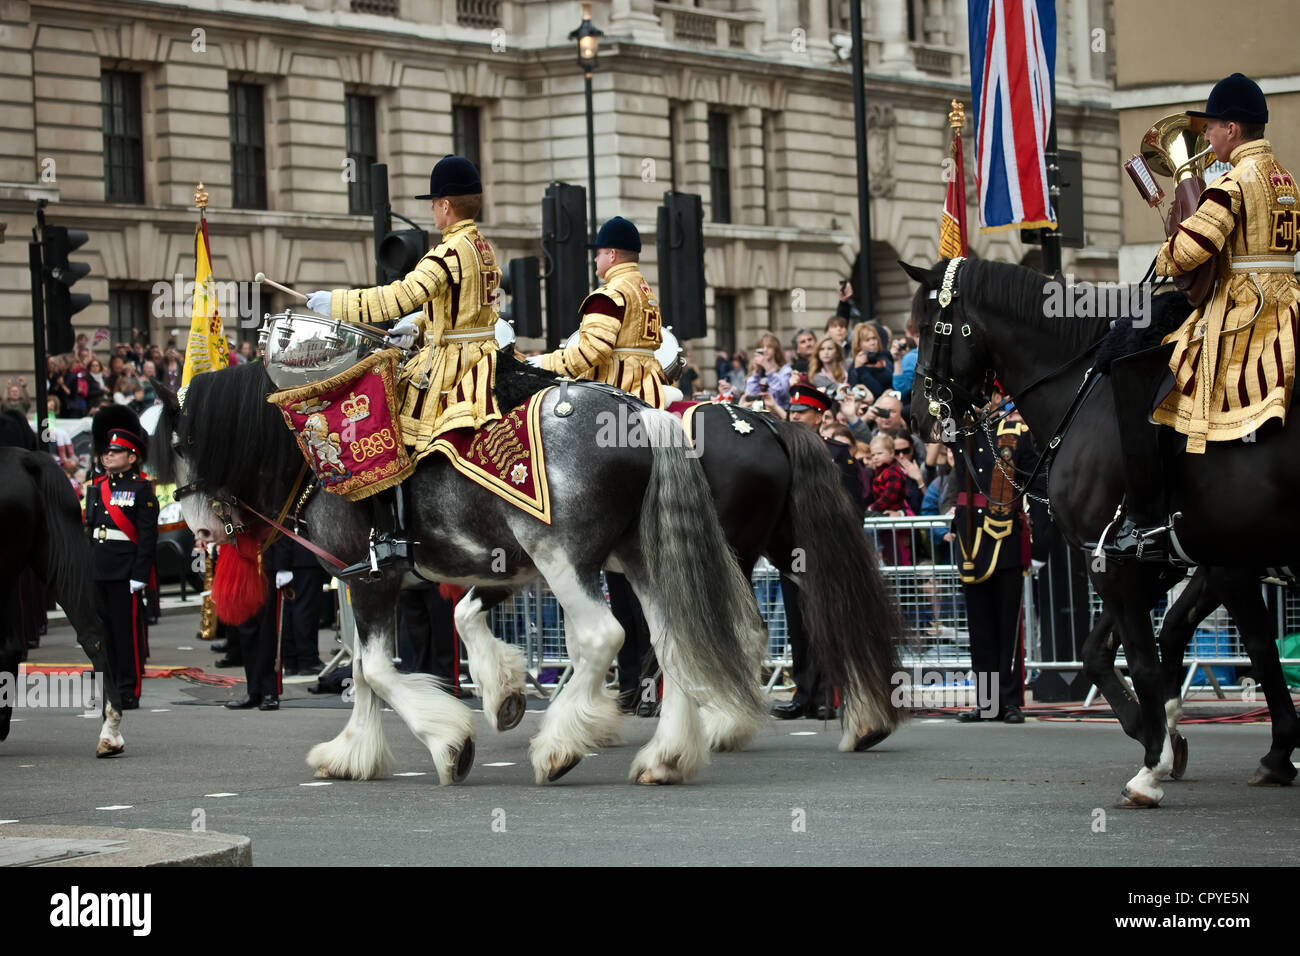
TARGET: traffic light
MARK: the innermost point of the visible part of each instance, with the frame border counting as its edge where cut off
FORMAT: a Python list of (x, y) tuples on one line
[(681, 265), (521, 282), (1068, 203), (564, 246), (61, 303), (399, 251)]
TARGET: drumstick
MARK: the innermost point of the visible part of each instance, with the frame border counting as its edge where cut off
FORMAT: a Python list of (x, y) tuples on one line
[(261, 277)]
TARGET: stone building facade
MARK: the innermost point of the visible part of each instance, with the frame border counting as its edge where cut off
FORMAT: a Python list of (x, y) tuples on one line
[(748, 97)]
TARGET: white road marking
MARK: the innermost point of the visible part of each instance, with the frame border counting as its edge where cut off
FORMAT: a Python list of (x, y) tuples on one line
[(410, 773), (504, 763), (161, 710), (221, 794), (803, 733), (7, 821), (21, 765), (184, 648), (316, 783), (116, 806)]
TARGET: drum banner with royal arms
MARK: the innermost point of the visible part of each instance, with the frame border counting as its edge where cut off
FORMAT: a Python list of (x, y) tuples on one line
[(506, 457), (347, 427)]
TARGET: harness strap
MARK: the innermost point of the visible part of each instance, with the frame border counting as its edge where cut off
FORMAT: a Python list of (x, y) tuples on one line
[(288, 503), (313, 548)]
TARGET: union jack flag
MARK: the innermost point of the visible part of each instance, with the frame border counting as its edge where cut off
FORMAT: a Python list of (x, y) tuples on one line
[(1013, 58)]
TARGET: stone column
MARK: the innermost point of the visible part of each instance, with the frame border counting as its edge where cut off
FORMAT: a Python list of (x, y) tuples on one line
[(636, 20), (890, 19)]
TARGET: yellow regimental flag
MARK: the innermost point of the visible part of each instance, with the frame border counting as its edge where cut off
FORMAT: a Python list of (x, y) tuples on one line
[(206, 349)]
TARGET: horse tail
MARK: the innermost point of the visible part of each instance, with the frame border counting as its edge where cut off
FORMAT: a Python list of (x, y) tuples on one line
[(69, 568), (706, 602), (851, 619)]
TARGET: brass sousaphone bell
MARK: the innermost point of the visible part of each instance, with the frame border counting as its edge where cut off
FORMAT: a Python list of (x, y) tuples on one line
[(1176, 147)]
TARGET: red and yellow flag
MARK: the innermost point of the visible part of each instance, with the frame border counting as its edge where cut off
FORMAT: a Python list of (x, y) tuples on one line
[(952, 225), (206, 348)]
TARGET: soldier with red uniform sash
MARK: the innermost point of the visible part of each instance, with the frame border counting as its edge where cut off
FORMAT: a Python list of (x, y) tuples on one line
[(122, 523)]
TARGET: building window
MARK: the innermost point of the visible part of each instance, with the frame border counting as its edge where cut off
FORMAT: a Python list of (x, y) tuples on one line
[(247, 147), (724, 322), (128, 316), (464, 133), (362, 150), (123, 139), (720, 166), (380, 8)]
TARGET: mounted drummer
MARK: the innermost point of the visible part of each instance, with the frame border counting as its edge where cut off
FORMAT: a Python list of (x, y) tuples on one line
[(620, 325), (1233, 359), (450, 382)]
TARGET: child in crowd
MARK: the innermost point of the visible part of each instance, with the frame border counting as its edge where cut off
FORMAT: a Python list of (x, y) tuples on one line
[(889, 496)]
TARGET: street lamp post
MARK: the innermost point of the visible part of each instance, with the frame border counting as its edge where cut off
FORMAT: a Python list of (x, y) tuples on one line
[(588, 37)]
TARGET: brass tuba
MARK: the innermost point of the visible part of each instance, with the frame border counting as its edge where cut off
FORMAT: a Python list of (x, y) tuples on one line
[(1176, 147)]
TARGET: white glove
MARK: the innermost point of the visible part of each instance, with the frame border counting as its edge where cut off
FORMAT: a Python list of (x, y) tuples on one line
[(137, 586), (404, 333), (535, 361), (282, 578), (319, 302)]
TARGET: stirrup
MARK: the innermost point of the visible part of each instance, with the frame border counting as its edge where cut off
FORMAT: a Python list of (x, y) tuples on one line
[(386, 553)]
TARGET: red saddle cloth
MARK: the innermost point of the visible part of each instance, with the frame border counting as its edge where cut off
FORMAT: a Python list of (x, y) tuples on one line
[(506, 457)]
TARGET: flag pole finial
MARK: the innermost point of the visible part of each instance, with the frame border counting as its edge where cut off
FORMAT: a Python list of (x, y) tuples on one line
[(201, 198), (957, 118)]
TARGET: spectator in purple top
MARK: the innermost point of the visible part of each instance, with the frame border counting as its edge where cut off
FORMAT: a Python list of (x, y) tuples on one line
[(770, 372)]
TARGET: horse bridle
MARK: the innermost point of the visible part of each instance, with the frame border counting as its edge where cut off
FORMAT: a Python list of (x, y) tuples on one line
[(225, 508), (939, 389)]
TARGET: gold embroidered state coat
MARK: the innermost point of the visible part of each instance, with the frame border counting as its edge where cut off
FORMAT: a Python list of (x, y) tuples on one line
[(449, 381), (618, 336), (1234, 358)]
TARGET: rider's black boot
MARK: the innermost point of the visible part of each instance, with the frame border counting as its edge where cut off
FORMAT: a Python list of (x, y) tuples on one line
[(389, 548), (1144, 533)]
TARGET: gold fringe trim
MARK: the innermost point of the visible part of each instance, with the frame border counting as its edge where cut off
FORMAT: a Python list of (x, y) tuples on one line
[(1037, 224)]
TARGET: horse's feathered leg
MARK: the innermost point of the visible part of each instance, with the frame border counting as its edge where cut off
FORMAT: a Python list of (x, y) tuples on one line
[(583, 716), (442, 723), (498, 667), (361, 751), (722, 729), (1176, 630)]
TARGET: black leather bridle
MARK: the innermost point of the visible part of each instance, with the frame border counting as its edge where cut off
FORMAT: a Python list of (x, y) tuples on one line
[(944, 395)]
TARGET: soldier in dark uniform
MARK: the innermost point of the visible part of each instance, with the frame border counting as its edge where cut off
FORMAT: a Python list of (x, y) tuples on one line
[(305, 578), (812, 698), (122, 523), (259, 636), (993, 556)]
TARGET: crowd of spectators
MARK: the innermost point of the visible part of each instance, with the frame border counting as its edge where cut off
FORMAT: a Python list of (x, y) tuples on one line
[(80, 382)]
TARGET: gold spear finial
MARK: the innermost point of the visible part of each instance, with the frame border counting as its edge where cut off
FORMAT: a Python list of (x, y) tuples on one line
[(201, 197), (957, 118)]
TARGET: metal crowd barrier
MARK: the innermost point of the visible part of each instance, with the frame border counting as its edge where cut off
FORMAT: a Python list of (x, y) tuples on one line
[(918, 566)]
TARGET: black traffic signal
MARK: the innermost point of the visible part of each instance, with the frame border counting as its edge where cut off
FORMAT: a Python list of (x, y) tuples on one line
[(564, 246), (61, 303), (681, 265), (399, 251), (522, 283), (1068, 203)]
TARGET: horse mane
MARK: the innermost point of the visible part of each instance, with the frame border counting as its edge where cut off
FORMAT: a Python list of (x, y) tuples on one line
[(1005, 289), (235, 439)]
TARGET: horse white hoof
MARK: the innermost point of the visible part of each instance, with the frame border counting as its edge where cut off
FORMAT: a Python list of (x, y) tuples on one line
[(107, 748), (1133, 800), (659, 775)]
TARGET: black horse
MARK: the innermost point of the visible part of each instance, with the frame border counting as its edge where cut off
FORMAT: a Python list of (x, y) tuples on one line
[(998, 323), (43, 534)]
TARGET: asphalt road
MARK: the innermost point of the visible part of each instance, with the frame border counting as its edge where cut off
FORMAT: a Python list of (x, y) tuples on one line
[(937, 793)]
